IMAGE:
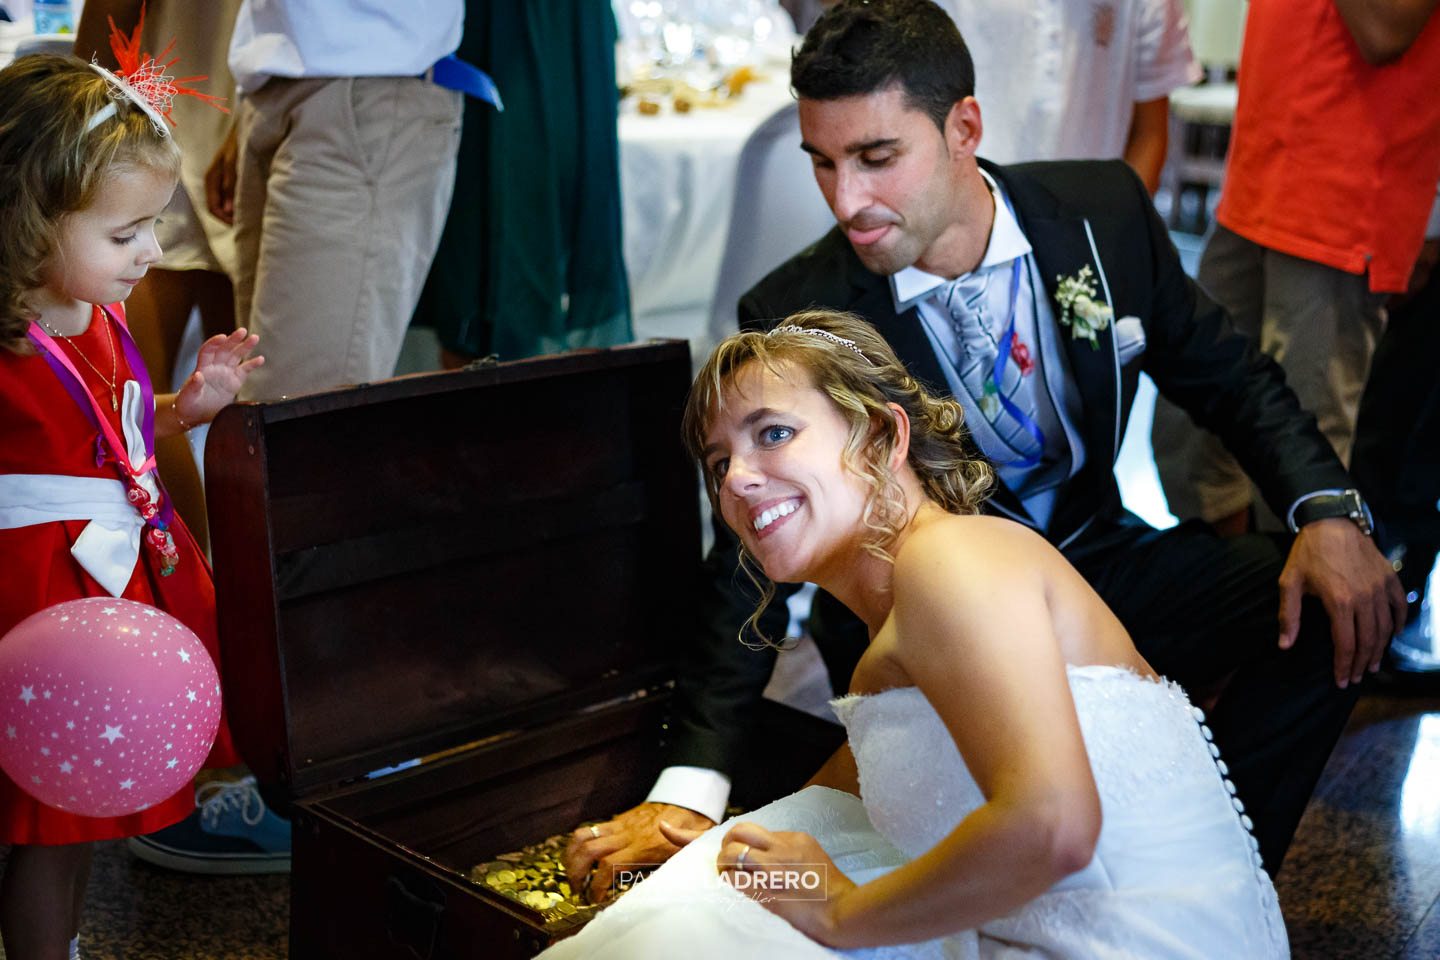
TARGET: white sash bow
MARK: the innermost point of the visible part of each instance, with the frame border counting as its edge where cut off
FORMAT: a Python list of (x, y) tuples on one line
[(109, 546)]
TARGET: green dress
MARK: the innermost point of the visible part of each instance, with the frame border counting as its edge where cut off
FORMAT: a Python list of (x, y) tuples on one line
[(530, 261)]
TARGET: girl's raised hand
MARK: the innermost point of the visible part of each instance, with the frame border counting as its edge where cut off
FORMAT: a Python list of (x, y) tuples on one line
[(223, 365)]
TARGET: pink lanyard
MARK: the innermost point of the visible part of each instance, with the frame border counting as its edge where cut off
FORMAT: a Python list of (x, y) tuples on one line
[(118, 448)]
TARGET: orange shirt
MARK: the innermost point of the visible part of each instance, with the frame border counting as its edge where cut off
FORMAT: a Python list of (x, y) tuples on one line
[(1332, 159)]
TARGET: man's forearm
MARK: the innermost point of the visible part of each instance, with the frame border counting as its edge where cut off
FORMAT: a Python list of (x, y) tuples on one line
[(92, 33), (1147, 141), (720, 679)]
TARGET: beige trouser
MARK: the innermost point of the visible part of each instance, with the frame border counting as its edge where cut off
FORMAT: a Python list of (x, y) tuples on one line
[(342, 192), (1320, 324)]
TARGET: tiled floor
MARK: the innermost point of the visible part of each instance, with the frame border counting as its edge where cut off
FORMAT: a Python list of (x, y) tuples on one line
[(1362, 881), (1363, 877)]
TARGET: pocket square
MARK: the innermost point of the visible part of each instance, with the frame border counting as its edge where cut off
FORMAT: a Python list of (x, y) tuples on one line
[(1129, 338)]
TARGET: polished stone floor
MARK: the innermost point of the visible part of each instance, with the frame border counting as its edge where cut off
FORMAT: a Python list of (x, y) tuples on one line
[(1362, 881)]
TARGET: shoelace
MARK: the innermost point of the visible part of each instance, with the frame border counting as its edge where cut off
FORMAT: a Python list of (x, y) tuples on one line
[(214, 797)]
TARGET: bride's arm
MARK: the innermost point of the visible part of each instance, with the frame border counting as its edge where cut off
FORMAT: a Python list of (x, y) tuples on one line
[(838, 773), (974, 632)]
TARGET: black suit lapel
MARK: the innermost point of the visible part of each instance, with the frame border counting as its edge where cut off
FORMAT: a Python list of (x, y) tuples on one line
[(1062, 248)]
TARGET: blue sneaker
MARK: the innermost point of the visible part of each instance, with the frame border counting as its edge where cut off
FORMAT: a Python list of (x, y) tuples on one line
[(231, 831)]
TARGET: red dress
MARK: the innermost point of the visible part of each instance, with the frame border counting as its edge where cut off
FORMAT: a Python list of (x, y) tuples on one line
[(43, 431)]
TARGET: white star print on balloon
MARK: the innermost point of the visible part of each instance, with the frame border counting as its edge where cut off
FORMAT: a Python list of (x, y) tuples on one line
[(95, 722)]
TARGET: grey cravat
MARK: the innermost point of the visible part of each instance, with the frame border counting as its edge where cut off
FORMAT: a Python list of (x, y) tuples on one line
[(979, 306)]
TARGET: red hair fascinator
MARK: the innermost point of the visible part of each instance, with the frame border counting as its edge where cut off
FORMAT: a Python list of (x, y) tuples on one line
[(145, 80)]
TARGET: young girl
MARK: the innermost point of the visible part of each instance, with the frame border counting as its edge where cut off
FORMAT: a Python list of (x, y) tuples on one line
[(86, 166)]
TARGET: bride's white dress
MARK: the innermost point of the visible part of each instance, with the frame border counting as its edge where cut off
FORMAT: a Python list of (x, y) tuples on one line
[(1175, 873)]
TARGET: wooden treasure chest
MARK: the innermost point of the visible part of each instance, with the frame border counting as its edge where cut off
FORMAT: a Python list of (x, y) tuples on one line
[(448, 615)]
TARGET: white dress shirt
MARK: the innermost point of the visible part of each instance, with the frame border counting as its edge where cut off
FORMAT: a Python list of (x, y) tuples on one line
[(1059, 79), (341, 38)]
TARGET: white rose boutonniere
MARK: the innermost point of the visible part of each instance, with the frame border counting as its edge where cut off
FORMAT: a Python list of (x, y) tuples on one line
[(1081, 309)]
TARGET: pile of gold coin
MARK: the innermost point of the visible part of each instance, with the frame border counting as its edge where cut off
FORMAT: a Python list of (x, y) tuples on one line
[(535, 876)]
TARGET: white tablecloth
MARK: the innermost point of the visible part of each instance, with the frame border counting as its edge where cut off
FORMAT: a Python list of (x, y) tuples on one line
[(677, 184)]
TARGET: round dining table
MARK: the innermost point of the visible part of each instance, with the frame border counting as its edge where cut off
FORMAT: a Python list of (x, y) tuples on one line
[(677, 186)]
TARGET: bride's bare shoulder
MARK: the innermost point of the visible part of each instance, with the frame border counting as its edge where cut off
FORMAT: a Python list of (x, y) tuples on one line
[(996, 539), (973, 555)]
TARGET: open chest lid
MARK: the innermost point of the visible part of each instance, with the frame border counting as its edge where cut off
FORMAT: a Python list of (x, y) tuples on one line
[(412, 565)]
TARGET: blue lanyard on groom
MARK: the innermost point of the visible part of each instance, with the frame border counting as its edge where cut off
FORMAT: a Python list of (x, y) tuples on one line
[(1001, 356)]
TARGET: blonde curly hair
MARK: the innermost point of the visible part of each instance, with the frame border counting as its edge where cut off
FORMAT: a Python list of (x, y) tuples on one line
[(53, 164), (850, 363)]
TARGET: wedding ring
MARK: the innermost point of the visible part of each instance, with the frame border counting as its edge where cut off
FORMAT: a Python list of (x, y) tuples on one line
[(594, 831), (740, 860)]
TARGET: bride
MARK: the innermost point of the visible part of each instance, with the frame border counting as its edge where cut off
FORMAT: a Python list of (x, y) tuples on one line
[(1027, 786)]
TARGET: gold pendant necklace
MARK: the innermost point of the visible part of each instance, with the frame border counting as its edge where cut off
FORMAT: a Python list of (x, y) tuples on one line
[(114, 357)]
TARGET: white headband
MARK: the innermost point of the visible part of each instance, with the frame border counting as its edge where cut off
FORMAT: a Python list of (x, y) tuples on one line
[(155, 81)]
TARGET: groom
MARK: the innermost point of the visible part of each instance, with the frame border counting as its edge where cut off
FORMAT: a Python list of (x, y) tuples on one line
[(1036, 295)]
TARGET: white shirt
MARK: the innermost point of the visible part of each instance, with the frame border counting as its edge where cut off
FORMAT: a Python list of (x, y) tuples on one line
[(341, 38), (1059, 79)]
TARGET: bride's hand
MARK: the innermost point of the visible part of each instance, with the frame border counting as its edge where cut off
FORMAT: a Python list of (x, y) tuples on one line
[(788, 873)]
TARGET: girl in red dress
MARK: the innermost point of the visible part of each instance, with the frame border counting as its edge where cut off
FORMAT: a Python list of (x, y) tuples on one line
[(88, 164)]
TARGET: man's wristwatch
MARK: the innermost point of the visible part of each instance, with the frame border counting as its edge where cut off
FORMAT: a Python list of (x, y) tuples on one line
[(1331, 503)]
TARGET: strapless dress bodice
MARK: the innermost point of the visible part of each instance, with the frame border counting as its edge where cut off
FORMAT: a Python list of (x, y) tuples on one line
[(1171, 819)]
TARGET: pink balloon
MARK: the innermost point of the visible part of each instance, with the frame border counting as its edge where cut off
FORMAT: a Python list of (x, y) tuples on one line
[(107, 706)]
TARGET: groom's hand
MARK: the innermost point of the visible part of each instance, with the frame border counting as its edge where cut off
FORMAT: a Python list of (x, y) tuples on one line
[(1333, 560), (634, 837)]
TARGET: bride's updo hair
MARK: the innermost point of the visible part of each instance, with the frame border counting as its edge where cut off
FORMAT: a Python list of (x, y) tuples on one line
[(844, 358)]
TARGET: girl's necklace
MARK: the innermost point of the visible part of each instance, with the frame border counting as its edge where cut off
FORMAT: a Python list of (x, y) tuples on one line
[(114, 358)]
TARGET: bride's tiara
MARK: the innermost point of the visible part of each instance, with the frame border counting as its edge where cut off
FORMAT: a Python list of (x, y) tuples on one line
[(822, 334)]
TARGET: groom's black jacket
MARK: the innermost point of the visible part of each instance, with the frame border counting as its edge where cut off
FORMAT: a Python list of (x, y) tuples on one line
[(1074, 214)]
